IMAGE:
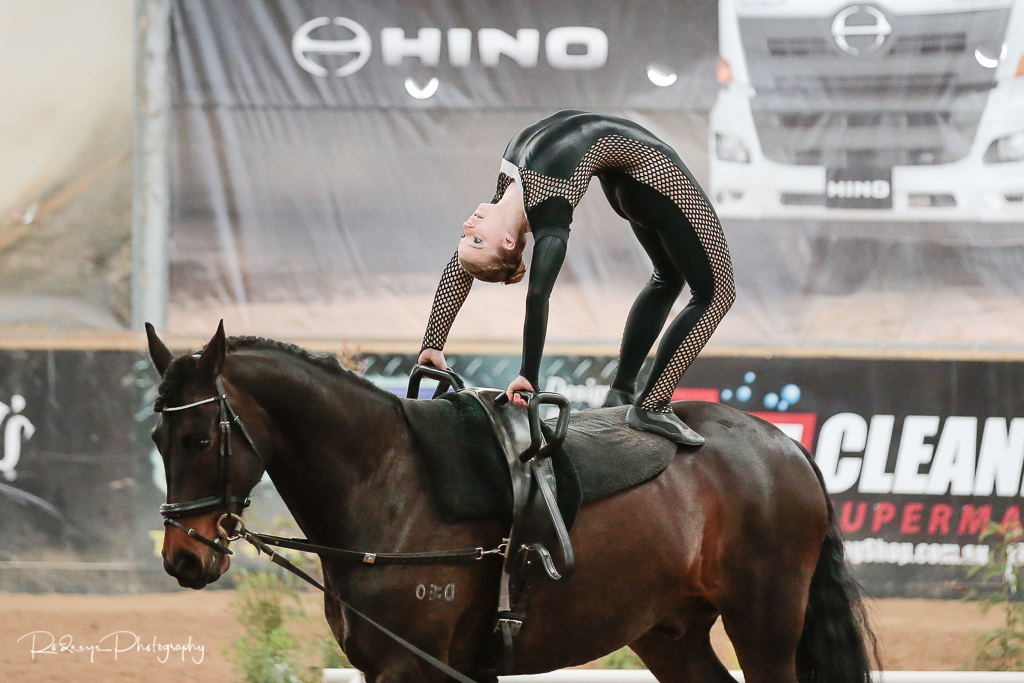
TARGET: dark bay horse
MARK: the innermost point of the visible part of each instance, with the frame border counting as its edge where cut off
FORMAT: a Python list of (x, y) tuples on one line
[(740, 529)]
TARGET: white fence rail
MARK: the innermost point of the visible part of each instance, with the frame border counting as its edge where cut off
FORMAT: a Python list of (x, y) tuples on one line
[(644, 676)]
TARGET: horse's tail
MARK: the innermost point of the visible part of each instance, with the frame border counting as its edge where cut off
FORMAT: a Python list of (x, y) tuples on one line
[(837, 644)]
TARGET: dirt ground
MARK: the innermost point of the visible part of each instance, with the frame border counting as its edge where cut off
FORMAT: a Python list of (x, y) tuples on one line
[(914, 634)]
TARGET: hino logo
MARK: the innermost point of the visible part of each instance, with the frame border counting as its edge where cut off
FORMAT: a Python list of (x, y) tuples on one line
[(359, 45), (865, 25), (565, 47), (857, 189)]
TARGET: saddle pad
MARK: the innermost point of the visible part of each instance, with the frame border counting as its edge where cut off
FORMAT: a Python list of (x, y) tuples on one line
[(609, 455), (469, 474), (466, 467)]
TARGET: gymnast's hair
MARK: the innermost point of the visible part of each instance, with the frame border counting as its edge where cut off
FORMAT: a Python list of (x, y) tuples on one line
[(506, 266)]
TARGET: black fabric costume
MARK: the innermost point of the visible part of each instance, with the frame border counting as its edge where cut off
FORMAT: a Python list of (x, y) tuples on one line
[(647, 184)]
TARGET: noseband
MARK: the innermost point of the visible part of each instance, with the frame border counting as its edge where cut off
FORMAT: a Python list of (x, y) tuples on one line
[(172, 511)]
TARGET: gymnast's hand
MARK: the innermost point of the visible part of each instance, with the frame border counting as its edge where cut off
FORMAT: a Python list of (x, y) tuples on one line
[(432, 357), (518, 384)]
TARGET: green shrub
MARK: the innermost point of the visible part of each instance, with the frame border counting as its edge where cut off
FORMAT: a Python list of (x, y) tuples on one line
[(281, 642), (1001, 648), (621, 659)]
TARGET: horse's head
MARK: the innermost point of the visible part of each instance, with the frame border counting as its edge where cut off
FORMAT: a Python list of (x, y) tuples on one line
[(209, 461)]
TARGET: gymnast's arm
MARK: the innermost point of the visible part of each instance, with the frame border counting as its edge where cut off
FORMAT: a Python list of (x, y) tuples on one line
[(451, 293), (548, 255)]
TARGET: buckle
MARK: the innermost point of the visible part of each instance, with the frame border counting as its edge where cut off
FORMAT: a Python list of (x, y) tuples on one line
[(512, 620), (502, 550)]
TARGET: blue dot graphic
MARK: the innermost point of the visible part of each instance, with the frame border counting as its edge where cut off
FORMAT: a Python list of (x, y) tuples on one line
[(790, 393), (749, 377), (783, 405), (726, 394), (771, 399), (743, 393)]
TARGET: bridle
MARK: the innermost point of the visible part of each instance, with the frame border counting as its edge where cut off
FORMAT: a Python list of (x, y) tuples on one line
[(262, 542), (172, 511)]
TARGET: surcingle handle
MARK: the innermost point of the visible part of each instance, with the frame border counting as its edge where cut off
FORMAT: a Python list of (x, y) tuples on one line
[(445, 379), (537, 446)]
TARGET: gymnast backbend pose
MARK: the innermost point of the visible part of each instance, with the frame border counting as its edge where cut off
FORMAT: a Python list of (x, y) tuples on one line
[(544, 172)]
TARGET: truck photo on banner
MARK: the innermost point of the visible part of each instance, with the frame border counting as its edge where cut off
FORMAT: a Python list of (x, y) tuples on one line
[(878, 151)]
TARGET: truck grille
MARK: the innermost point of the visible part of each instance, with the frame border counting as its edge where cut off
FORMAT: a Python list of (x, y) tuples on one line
[(955, 43), (929, 85), (916, 100), (852, 138)]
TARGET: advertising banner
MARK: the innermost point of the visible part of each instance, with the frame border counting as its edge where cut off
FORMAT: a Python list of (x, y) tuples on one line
[(919, 456), (445, 54), (325, 154), (867, 161), (71, 468)]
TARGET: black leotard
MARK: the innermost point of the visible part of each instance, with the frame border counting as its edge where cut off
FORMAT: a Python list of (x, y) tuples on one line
[(645, 181)]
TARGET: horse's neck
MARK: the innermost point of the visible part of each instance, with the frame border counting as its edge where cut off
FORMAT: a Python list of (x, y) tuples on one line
[(342, 458)]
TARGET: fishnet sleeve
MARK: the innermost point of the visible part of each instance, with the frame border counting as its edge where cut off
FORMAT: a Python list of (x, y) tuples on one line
[(451, 293)]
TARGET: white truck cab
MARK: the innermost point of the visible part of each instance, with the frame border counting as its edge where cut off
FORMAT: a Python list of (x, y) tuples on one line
[(902, 110)]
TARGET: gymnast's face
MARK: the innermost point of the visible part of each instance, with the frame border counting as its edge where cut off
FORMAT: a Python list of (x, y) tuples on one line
[(485, 233)]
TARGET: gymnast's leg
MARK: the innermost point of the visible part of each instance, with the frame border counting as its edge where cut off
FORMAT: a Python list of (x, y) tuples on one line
[(646, 318), (704, 261), (692, 238)]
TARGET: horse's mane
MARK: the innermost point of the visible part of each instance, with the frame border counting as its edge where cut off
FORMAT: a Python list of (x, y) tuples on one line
[(182, 367)]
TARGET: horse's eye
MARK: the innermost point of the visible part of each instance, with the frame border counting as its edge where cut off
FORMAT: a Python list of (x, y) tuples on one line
[(196, 443)]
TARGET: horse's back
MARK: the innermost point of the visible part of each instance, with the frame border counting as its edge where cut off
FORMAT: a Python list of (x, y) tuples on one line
[(751, 462), (756, 490), (748, 446), (748, 488)]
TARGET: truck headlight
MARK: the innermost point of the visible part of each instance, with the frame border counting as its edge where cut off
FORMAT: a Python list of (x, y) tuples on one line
[(1006, 148), (729, 148)]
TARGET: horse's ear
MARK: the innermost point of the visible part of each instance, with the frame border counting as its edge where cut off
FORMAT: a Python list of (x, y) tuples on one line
[(212, 359), (158, 351)]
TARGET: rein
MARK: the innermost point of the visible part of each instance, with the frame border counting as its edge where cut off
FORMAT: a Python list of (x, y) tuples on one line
[(262, 542)]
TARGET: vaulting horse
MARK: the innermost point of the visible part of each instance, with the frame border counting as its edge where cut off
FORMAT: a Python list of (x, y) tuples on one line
[(741, 529)]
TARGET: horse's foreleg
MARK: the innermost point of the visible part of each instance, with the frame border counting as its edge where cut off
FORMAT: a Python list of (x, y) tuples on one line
[(678, 650), (441, 627)]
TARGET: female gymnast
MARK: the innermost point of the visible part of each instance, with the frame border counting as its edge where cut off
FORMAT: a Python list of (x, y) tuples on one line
[(544, 172)]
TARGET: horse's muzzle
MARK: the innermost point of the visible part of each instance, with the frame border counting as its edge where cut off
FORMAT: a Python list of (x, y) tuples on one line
[(192, 571), (193, 564)]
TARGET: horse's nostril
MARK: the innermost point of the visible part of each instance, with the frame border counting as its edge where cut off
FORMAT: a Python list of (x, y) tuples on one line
[(187, 565)]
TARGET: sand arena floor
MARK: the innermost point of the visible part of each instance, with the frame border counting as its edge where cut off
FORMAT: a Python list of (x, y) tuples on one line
[(914, 634)]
